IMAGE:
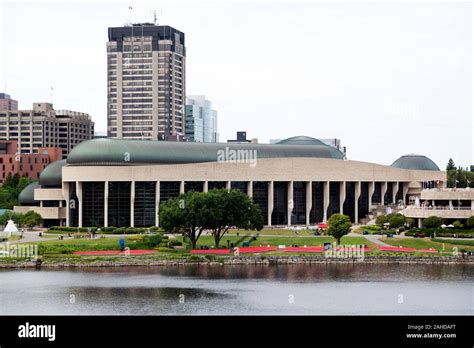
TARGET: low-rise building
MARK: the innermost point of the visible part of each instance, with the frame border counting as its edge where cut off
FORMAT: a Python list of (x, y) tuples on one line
[(300, 181), (448, 203), (25, 164), (7, 103), (44, 127)]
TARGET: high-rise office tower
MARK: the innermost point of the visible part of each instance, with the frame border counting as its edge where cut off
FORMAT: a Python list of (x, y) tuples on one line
[(146, 78), (201, 120)]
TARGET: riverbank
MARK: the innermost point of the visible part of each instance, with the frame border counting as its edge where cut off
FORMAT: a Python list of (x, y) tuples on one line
[(223, 261)]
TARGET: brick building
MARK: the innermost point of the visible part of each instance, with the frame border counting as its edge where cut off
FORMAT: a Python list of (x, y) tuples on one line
[(25, 164)]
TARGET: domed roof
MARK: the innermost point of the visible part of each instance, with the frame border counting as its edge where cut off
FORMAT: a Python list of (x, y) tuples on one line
[(301, 140), (114, 152), (52, 174), (27, 196), (415, 162)]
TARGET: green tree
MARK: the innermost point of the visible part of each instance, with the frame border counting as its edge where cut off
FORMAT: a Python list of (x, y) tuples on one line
[(470, 222), (450, 165), (11, 189), (31, 219), (339, 226), (226, 209), (381, 219), (432, 222), (396, 220), (184, 215), (410, 222)]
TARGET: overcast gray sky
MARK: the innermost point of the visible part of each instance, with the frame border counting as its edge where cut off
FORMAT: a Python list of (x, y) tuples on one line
[(387, 79)]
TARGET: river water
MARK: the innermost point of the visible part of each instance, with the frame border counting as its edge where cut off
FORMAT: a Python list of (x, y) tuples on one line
[(238, 290)]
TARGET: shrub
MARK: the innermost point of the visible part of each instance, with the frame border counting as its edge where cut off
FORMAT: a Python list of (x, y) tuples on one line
[(381, 219), (432, 222), (458, 224), (108, 229), (372, 228), (410, 222), (396, 220), (152, 240), (155, 229), (470, 222), (174, 242), (119, 230)]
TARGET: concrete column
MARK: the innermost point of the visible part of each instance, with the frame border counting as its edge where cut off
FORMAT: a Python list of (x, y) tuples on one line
[(309, 201), (384, 191), (106, 204), (132, 204), (357, 190), (405, 192), (250, 188), (370, 193), (395, 188), (228, 185), (79, 199), (157, 204), (41, 203), (325, 200), (270, 202), (342, 196), (472, 204), (205, 186), (67, 198), (420, 225), (291, 202), (181, 187)]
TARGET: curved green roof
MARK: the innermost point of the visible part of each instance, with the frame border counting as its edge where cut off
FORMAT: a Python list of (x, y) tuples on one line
[(52, 174), (301, 140), (415, 162), (135, 152), (27, 196)]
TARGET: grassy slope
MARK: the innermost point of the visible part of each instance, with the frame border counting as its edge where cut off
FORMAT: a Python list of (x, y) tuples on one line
[(424, 243)]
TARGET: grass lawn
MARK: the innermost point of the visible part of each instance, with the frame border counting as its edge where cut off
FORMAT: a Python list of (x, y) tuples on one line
[(286, 240), (70, 245), (454, 241), (272, 231), (424, 243)]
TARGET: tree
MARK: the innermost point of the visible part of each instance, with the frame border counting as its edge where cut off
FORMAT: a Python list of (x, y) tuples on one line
[(339, 226), (470, 222), (396, 220), (432, 222), (381, 219), (450, 165), (226, 209), (184, 215), (11, 189), (31, 219), (217, 210), (410, 222)]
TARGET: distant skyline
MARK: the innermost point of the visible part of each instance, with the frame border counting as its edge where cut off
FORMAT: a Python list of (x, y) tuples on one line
[(387, 79)]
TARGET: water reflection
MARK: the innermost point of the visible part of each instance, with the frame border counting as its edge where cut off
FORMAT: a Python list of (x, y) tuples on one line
[(247, 289)]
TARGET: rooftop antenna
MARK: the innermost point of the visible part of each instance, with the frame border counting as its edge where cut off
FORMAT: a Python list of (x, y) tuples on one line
[(155, 16), (130, 8)]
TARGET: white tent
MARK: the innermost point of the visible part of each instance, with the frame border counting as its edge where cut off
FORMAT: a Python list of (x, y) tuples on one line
[(10, 228)]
